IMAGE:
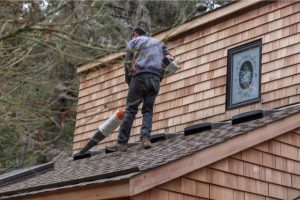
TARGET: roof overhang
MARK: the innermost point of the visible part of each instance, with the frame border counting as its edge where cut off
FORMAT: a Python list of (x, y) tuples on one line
[(140, 182), (92, 191), (211, 17)]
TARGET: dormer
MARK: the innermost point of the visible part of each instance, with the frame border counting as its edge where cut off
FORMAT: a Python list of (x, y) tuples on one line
[(238, 58)]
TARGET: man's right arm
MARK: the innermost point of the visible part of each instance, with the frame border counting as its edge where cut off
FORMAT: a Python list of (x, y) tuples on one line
[(166, 56), (166, 52)]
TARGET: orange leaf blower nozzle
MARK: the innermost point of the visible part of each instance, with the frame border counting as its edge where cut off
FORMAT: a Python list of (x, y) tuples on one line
[(102, 132)]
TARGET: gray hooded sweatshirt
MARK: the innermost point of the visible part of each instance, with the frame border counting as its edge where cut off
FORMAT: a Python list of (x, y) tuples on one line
[(145, 54)]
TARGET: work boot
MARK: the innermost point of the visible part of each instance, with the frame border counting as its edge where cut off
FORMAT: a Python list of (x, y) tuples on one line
[(146, 144), (117, 147)]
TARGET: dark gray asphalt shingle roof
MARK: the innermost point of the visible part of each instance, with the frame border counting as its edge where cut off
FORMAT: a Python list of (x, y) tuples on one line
[(69, 173)]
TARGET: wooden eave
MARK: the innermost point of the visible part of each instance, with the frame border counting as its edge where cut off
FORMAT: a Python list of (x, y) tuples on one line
[(207, 18), (94, 191), (146, 180)]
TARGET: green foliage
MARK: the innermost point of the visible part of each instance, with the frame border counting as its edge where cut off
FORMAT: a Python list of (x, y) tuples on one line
[(164, 14)]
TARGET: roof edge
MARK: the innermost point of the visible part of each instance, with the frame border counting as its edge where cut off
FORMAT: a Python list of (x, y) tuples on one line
[(154, 177), (169, 34), (107, 190)]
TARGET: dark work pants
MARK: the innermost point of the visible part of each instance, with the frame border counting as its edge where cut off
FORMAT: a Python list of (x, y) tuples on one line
[(144, 88)]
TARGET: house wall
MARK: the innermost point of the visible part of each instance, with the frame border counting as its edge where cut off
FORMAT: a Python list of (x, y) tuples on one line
[(268, 171), (196, 93)]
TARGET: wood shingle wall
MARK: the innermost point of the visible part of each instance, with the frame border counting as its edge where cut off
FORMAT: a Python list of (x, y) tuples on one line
[(268, 171), (196, 93)]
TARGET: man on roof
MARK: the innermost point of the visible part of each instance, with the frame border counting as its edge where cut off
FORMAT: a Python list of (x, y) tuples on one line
[(143, 74)]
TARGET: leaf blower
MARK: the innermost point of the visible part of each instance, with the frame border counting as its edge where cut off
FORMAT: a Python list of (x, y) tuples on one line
[(102, 132)]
